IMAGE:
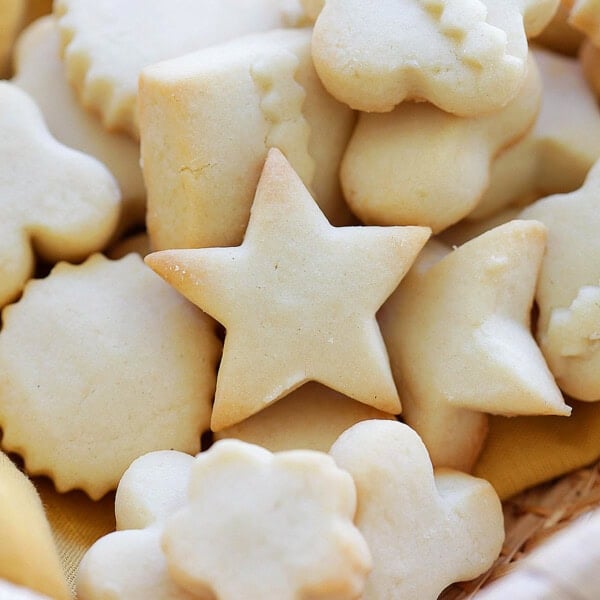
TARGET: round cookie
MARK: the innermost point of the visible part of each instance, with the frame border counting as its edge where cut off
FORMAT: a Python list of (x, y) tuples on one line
[(101, 363)]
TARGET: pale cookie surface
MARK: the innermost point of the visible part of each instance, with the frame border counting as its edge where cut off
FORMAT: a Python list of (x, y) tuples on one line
[(39, 71), (311, 417), (585, 16), (425, 530), (62, 202), (284, 520), (9, 591), (468, 57), (568, 293), (298, 299), (208, 120), (108, 42), (11, 16), (101, 363), (152, 489), (562, 147), (402, 167), (130, 565), (26, 537), (472, 305)]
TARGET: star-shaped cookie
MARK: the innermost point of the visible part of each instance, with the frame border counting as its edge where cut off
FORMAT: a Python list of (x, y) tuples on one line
[(458, 333), (298, 299), (62, 203)]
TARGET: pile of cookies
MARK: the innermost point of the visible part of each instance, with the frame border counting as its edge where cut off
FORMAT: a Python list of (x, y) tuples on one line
[(328, 237)]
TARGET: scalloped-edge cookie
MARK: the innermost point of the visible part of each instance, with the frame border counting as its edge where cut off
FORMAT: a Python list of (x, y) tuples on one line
[(26, 537), (285, 517), (568, 294), (562, 147), (426, 529), (12, 13), (403, 168), (158, 493), (40, 71), (208, 120), (590, 61), (99, 364), (60, 202), (468, 57), (311, 418), (585, 16), (472, 305), (107, 43), (298, 299)]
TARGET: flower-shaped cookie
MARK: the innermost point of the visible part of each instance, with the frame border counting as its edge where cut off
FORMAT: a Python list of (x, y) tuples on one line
[(298, 299), (458, 333), (60, 202), (208, 120), (311, 417), (568, 293), (107, 43), (99, 364), (402, 167), (285, 520), (40, 71), (26, 537), (11, 16), (425, 529), (557, 154), (468, 57)]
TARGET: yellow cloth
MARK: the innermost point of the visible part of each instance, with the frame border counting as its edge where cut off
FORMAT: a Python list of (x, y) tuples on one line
[(520, 452), (524, 451), (28, 556)]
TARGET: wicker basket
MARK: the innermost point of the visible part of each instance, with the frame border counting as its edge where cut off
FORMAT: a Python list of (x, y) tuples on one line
[(552, 547)]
